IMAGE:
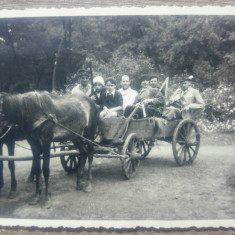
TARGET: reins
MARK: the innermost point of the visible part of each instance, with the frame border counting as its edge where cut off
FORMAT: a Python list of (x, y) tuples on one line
[(9, 128)]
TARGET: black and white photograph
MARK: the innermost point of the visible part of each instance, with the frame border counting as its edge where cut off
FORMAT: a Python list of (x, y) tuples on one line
[(117, 118)]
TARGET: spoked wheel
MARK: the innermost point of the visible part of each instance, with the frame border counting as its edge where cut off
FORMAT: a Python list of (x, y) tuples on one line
[(70, 163), (186, 142), (132, 147), (146, 146)]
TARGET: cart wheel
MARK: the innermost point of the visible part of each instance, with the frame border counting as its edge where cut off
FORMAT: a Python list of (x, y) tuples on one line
[(129, 165), (146, 147), (186, 142), (70, 163)]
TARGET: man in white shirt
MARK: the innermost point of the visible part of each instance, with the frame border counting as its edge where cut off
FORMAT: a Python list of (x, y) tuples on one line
[(128, 94), (84, 86)]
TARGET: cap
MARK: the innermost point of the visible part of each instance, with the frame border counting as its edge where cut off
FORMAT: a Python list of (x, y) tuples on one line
[(98, 79), (83, 72), (188, 78)]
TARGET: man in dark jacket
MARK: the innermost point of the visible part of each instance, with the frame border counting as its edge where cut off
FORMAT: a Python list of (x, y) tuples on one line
[(151, 100), (112, 100)]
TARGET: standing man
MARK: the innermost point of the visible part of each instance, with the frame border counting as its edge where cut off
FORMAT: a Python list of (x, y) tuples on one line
[(185, 103), (84, 86), (128, 94)]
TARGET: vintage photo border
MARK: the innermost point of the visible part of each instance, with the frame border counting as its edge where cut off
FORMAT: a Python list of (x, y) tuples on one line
[(112, 226)]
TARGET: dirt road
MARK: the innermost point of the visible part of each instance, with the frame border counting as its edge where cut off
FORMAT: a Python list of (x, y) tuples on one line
[(160, 191)]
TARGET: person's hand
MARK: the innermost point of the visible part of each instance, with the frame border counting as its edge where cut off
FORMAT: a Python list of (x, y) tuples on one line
[(186, 109), (93, 97), (146, 101)]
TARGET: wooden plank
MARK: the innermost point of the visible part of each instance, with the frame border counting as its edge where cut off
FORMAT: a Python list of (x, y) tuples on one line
[(30, 158)]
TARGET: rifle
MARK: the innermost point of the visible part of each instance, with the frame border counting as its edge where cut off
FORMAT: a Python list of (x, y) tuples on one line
[(92, 87)]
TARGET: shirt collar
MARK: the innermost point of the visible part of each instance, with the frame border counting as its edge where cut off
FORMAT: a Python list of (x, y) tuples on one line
[(110, 92)]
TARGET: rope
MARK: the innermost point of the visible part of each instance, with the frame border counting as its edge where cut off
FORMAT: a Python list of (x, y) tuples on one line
[(22, 146)]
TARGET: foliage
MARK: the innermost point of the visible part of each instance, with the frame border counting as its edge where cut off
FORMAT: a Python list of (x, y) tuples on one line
[(34, 50)]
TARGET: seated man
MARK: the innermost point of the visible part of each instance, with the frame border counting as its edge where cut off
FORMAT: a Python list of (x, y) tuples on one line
[(128, 94), (98, 89), (150, 98), (185, 103), (111, 100)]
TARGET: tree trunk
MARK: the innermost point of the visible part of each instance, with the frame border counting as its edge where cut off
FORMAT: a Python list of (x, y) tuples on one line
[(57, 57)]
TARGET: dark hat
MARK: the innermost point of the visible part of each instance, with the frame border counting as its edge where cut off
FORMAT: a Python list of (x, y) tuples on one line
[(188, 78), (83, 72), (144, 78)]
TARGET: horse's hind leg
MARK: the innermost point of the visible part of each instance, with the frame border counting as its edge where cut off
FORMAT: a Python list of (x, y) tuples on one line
[(46, 167), (81, 167), (11, 166), (89, 176), (1, 171), (1, 176), (36, 150)]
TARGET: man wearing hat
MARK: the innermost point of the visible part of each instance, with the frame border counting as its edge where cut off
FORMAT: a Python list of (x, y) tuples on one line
[(185, 103), (84, 86), (98, 89), (151, 100)]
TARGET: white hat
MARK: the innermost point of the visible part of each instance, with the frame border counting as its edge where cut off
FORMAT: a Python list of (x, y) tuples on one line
[(98, 79)]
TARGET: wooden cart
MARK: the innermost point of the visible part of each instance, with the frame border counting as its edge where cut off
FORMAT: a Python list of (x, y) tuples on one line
[(132, 139)]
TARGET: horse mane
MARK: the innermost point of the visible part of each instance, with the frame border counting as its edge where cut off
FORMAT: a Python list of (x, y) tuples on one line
[(22, 106)]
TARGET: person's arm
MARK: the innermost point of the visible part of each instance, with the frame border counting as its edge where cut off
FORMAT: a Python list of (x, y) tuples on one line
[(155, 98), (119, 102), (198, 102)]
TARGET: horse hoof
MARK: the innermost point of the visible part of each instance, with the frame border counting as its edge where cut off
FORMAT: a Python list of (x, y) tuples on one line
[(79, 187), (34, 201), (30, 179), (46, 204), (12, 195), (88, 188)]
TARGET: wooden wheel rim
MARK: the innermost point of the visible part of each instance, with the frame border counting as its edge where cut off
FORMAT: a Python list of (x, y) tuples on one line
[(129, 165), (186, 142)]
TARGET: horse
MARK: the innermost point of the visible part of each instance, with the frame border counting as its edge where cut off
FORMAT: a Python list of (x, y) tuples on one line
[(8, 137), (47, 117)]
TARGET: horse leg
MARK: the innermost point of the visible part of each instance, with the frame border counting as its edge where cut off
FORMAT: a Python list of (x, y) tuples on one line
[(88, 187), (11, 166), (32, 173), (46, 167), (36, 150), (1, 177), (81, 167), (1, 170)]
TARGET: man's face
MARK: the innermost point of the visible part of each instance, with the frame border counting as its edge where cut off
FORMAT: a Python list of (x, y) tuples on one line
[(144, 84), (84, 80), (110, 87), (98, 87), (185, 85), (125, 83), (153, 83)]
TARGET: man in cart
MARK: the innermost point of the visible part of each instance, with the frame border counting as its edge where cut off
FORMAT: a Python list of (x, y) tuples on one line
[(185, 103), (151, 100), (127, 92), (84, 86), (98, 90)]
